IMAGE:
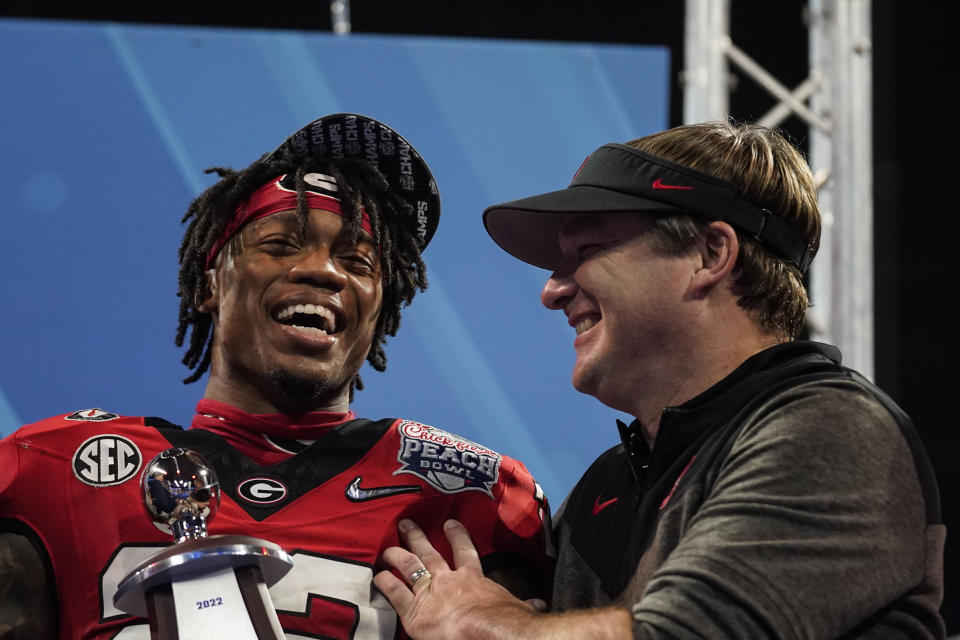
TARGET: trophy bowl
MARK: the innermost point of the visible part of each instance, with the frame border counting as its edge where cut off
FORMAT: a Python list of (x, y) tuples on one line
[(181, 490)]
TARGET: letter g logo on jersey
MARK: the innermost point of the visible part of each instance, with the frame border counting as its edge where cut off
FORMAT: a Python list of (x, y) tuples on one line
[(261, 490)]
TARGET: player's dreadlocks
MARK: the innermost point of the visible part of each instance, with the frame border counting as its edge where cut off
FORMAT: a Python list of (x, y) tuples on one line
[(361, 185)]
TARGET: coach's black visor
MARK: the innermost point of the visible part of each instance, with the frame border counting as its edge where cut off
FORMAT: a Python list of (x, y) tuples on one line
[(618, 178)]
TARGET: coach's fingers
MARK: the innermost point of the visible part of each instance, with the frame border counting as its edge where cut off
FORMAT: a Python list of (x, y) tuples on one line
[(399, 595), (464, 552), (416, 541), (403, 561)]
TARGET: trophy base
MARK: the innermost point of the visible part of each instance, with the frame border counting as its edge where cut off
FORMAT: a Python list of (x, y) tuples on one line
[(149, 590)]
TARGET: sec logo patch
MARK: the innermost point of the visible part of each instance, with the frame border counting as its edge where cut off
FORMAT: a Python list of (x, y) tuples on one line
[(105, 460)]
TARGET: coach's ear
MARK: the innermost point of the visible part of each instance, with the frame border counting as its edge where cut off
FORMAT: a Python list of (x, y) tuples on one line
[(208, 299), (718, 249)]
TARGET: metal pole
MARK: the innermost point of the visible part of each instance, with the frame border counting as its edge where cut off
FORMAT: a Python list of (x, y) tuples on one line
[(705, 80), (840, 120), (340, 16), (802, 93), (774, 87), (842, 277)]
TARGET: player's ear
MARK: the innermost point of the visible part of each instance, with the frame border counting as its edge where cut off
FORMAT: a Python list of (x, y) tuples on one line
[(718, 248), (208, 299)]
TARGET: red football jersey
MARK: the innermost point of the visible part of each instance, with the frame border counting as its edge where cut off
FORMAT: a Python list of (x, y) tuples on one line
[(74, 480)]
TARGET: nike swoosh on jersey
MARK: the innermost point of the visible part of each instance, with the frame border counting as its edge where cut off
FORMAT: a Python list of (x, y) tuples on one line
[(356, 493)]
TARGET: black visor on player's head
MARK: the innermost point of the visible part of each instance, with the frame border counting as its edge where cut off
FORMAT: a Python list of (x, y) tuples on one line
[(618, 178), (342, 135)]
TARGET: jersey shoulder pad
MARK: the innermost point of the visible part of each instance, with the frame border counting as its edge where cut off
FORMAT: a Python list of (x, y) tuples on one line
[(85, 417), (105, 448)]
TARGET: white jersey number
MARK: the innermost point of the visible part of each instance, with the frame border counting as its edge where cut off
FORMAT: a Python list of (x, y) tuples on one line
[(315, 586)]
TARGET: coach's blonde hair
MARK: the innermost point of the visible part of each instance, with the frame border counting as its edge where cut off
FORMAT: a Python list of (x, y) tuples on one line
[(766, 170)]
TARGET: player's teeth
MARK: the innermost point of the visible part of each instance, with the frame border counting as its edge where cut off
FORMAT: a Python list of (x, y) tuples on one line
[(312, 309), (310, 330), (584, 324)]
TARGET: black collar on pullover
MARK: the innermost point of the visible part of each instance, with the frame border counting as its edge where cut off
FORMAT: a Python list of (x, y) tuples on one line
[(684, 424)]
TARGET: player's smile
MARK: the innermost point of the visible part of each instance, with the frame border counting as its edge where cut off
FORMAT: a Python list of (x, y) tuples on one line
[(316, 324), (308, 317)]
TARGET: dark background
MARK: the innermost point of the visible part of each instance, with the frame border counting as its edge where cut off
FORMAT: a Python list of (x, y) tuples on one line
[(915, 255)]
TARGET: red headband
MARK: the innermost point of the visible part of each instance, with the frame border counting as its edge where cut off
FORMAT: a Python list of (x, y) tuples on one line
[(274, 197)]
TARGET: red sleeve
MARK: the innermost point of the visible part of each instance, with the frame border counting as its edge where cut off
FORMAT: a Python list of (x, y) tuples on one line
[(516, 533), (9, 463)]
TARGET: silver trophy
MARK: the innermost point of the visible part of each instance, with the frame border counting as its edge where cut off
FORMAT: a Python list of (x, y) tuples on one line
[(208, 587)]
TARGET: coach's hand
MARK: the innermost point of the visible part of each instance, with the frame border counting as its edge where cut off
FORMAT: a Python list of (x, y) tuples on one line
[(436, 601)]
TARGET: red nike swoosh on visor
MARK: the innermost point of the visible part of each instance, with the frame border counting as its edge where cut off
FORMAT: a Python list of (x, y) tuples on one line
[(600, 506), (658, 184)]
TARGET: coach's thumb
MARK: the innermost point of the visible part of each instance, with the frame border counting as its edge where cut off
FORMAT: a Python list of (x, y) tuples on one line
[(537, 605)]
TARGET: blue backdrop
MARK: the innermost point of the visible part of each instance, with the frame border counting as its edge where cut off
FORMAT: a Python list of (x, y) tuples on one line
[(107, 129)]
